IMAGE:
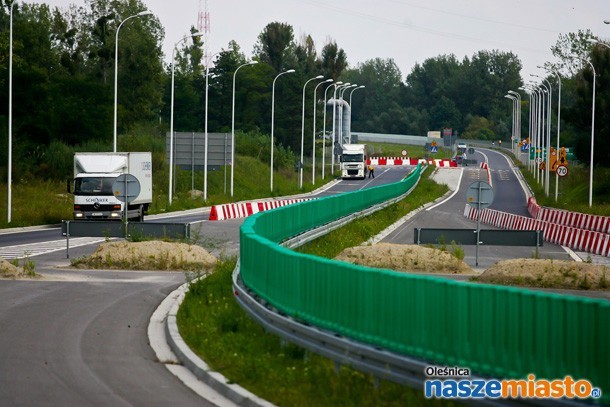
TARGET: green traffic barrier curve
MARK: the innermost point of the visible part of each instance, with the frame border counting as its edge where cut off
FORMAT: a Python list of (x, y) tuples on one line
[(497, 331)]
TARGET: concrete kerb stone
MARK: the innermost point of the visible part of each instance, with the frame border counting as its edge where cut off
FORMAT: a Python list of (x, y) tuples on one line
[(174, 351)]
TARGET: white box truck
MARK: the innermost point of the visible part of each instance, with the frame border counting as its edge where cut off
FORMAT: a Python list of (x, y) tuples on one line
[(353, 161), (94, 176)]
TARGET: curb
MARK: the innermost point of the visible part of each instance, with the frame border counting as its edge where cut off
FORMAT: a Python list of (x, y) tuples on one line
[(172, 351)]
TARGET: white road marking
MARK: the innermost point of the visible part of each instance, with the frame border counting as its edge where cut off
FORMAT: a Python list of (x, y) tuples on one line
[(37, 249)]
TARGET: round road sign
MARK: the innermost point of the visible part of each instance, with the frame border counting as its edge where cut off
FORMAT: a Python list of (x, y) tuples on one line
[(479, 194), (561, 170), (404, 153), (538, 160), (126, 188)]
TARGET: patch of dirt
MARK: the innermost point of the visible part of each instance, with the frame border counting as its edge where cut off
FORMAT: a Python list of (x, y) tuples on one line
[(547, 274), (8, 270), (407, 258), (149, 255)]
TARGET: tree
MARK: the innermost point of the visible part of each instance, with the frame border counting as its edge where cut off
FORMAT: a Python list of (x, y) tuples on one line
[(334, 61), (275, 45)]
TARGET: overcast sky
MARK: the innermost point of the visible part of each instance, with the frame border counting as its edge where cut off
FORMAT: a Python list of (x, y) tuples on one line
[(408, 31)]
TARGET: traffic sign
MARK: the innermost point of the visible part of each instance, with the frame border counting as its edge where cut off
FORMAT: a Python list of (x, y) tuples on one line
[(562, 170), (479, 194), (470, 150), (433, 149), (404, 153), (539, 160), (126, 188)]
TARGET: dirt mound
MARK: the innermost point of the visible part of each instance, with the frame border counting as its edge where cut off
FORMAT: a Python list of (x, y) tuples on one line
[(149, 255), (8, 270), (409, 258), (547, 274)]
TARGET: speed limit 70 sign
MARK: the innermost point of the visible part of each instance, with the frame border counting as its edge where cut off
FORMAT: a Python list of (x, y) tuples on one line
[(561, 170)]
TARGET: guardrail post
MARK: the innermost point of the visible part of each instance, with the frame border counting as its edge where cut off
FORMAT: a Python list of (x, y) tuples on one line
[(67, 239)]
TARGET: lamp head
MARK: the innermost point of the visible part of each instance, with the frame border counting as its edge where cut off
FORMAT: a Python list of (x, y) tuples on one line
[(252, 62), (328, 80), (290, 71), (144, 13), (320, 77), (592, 41), (361, 86), (339, 83)]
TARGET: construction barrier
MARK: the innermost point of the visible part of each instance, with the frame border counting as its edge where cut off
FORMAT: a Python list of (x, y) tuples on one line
[(245, 209), (575, 238), (395, 161), (577, 220)]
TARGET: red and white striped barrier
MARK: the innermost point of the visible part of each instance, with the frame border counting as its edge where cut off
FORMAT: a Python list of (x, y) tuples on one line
[(385, 161), (596, 223), (575, 238), (245, 209)]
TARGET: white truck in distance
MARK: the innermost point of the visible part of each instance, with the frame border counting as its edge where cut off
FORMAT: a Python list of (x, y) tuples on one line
[(353, 161), (94, 176)]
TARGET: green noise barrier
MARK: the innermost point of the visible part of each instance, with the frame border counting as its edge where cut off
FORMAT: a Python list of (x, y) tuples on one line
[(496, 331)]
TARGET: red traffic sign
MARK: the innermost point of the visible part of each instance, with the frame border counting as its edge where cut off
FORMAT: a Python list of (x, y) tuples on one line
[(561, 170)]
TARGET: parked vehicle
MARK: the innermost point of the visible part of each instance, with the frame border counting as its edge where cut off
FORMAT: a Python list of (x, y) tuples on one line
[(94, 177), (353, 161)]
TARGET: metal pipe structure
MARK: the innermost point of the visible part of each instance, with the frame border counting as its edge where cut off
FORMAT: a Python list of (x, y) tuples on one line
[(272, 117), (301, 165), (171, 116), (341, 114), (332, 158), (116, 68), (324, 126), (592, 130), (313, 153), (233, 123), (350, 111)]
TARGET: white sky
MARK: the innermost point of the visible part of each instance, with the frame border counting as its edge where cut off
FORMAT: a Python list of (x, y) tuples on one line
[(409, 31)]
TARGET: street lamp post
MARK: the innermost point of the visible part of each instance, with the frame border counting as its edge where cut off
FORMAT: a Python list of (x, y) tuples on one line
[(558, 127), (592, 131), (548, 136), (350, 110), (324, 126), (332, 158), (171, 116), (272, 117), (341, 124), (303, 131), (10, 119), (233, 124), (594, 41), (514, 118), (517, 135), (313, 153), (116, 68)]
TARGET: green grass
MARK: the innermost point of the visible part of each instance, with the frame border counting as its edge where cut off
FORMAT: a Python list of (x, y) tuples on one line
[(360, 230), (413, 151), (221, 333)]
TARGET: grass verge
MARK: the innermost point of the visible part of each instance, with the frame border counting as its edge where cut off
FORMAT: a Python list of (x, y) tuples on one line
[(221, 333)]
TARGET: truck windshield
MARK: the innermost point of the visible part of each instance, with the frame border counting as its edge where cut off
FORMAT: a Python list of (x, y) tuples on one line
[(93, 186), (352, 158)]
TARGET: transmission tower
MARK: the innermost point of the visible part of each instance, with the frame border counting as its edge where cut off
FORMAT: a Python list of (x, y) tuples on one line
[(204, 27)]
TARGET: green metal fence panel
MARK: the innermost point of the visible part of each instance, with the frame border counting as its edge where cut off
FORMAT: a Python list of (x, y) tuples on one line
[(493, 330)]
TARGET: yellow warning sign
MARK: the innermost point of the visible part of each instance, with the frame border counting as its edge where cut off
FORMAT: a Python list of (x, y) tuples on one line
[(563, 157), (553, 160)]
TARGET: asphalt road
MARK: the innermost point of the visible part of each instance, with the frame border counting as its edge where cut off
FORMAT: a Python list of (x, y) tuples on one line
[(79, 338), (509, 196)]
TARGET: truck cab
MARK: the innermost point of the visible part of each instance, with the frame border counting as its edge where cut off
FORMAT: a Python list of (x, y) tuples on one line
[(353, 161)]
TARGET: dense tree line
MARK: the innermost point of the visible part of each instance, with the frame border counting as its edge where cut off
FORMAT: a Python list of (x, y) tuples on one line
[(63, 81)]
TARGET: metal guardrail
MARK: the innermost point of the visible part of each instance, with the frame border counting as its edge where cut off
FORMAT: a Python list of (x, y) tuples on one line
[(116, 229), (488, 237)]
